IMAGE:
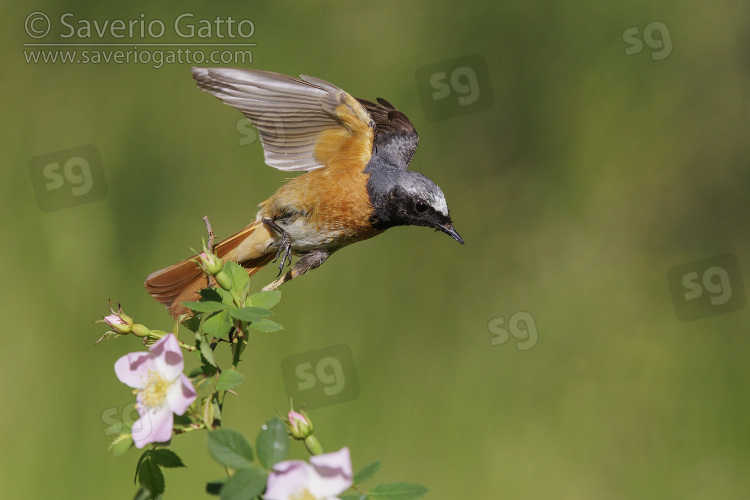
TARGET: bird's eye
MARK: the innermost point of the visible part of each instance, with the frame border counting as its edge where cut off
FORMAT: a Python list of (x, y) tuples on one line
[(421, 207)]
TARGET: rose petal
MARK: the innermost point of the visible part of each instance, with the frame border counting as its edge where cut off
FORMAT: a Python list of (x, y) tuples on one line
[(154, 426), (114, 319), (288, 478), (133, 368), (169, 359), (181, 395), (333, 473)]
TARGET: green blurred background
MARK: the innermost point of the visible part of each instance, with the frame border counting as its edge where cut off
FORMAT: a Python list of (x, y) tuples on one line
[(591, 174)]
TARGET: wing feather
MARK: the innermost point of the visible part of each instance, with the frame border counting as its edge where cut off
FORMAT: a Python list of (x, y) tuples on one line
[(303, 124)]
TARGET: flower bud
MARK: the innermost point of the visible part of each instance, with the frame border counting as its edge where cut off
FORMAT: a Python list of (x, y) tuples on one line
[(118, 321), (116, 324), (209, 262), (299, 424)]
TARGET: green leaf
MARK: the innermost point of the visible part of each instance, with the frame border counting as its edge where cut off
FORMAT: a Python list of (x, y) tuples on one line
[(218, 325), (206, 353), (266, 325), (230, 449), (151, 477), (121, 444), (217, 294), (353, 496), (167, 458), (214, 487), (367, 472), (272, 444), (229, 379), (266, 299), (248, 314), (245, 484), (192, 323), (397, 491), (205, 306), (211, 294), (143, 457), (240, 279)]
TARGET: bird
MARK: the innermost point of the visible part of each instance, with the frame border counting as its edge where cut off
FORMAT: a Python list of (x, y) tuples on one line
[(355, 154)]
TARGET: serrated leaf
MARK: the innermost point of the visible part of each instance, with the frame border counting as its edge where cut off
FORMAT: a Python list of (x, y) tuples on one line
[(205, 306), (245, 484), (266, 325), (218, 325), (367, 472), (229, 379), (206, 353), (214, 487), (151, 477), (143, 457), (272, 444), (248, 314), (121, 444), (240, 279), (230, 448), (266, 299), (192, 323), (397, 491), (167, 458)]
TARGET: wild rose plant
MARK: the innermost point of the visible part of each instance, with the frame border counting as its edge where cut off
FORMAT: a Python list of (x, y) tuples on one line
[(170, 402)]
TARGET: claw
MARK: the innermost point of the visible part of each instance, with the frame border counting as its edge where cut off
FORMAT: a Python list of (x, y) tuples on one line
[(284, 244)]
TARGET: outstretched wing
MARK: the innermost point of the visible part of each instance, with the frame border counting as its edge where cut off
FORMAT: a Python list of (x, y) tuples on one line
[(395, 137), (303, 124)]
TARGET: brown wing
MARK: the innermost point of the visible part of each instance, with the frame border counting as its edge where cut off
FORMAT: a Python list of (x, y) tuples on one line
[(396, 139), (303, 124)]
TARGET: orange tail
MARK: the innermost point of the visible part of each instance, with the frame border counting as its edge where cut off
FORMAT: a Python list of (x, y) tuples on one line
[(181, 282)]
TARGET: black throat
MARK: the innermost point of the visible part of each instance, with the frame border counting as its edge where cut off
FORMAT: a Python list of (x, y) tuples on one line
[(383, 190)]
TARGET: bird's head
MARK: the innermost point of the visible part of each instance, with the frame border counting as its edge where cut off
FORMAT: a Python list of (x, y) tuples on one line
[(407, 198)]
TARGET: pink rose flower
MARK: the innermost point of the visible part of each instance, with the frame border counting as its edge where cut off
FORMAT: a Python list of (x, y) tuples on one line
[(325, 477), (160, 386)]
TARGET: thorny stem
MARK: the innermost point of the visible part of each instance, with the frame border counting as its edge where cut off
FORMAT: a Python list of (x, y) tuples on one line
[(210, 233)]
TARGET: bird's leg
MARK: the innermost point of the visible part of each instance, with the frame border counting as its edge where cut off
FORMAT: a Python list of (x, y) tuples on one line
[(307, 262), (284, 244)]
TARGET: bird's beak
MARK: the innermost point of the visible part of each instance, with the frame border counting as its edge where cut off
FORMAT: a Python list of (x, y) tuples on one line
[(450, 231)]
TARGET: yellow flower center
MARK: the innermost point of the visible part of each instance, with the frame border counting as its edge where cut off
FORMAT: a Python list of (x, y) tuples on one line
[(303, 495), (154, 393)]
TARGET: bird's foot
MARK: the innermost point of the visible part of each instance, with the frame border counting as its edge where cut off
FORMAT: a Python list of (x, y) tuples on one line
[(284, 244)]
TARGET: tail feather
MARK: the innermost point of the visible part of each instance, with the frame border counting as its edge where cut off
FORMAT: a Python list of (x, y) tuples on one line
[(181, 282)]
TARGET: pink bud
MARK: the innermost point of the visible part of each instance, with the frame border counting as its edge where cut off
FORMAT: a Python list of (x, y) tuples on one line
[(114, 319)]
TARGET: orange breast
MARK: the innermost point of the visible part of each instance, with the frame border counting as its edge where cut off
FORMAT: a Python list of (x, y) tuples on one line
[(333, 200)]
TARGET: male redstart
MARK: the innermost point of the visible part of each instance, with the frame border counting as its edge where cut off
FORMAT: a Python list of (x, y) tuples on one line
[(357, 185)]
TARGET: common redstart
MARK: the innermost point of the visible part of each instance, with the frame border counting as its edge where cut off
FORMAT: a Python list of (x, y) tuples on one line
[(356, 154)]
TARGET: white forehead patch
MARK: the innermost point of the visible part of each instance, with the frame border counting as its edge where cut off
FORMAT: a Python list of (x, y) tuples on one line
[(432, 195)]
